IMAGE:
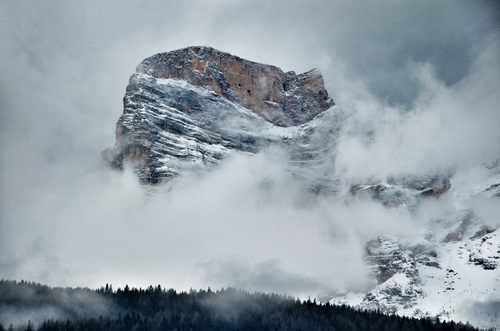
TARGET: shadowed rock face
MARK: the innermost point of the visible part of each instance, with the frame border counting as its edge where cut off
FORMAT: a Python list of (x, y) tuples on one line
[(284, 99)]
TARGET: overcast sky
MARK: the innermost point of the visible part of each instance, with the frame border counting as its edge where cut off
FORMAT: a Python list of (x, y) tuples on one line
[(67, 220)]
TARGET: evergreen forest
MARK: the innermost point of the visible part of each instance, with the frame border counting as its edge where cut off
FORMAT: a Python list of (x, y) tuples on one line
[(32, 306)]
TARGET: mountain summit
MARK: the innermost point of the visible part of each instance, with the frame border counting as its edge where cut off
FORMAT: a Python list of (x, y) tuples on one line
[(188, 108), (282, 98)]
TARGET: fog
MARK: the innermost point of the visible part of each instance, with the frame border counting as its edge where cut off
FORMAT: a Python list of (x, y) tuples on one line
[(418, 82), (39, 304)]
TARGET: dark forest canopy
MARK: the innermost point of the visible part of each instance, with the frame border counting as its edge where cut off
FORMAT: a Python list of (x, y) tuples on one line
[(156, 308)]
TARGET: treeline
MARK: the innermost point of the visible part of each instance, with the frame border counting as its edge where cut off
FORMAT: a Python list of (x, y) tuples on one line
[(156, 308)]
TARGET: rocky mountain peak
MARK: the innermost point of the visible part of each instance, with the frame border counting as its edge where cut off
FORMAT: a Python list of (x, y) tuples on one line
[(282, 98), (187, 109)]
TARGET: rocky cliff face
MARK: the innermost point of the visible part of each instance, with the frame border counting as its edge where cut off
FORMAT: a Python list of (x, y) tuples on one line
[(283, 99), (189, 108)]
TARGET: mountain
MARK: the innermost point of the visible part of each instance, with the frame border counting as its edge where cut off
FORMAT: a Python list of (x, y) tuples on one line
[(186, 111), (450, 272), (189, 108)]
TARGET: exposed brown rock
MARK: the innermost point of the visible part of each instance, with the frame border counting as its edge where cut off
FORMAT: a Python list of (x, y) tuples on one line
[(284, 99)]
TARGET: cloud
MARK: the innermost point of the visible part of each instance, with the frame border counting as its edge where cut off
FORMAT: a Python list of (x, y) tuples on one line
[(58, 303), (447, 126), (485, 311), (68, 220), (266, 276)]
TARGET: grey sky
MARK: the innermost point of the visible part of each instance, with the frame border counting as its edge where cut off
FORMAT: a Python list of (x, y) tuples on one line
[(65, 219)]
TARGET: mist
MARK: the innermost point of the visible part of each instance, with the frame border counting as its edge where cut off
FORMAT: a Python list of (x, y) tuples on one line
[(23, 302), (417, 81)]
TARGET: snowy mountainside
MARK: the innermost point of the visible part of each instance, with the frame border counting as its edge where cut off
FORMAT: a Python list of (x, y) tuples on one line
[(450, 270), (165, 142), (454, 286)]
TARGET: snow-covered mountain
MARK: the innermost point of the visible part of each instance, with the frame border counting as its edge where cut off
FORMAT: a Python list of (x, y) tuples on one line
[(187, 110), (449, 271)]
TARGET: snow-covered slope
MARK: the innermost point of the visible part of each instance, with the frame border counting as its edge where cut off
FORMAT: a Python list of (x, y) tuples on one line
[(450, 270)]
